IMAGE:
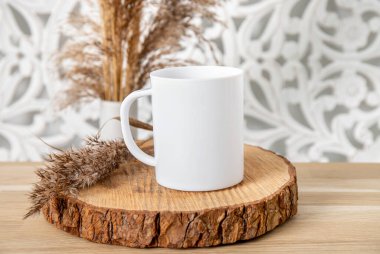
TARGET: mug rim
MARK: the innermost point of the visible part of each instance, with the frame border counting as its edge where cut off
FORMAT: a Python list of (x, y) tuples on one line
[(223, 72)]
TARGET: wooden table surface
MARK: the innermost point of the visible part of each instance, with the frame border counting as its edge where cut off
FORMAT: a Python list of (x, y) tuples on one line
[(339, 211)]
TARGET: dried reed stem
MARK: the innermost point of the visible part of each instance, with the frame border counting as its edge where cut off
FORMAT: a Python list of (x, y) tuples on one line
[(65, 173)]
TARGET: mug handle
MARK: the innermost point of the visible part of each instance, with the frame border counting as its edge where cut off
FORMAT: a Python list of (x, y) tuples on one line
[(126, 128)]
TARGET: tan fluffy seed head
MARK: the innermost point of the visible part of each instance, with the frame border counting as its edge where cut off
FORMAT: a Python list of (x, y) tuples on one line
[(114, 55), (65, 173)]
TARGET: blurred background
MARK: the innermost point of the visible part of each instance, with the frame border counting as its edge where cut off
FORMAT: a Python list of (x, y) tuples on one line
[(312, 66)]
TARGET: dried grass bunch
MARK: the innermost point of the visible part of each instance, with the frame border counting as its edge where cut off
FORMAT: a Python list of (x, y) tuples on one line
[(113, 55), (67, 172)]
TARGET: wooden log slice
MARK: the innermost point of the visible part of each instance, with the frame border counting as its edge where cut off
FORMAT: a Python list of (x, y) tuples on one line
[(131, 209)]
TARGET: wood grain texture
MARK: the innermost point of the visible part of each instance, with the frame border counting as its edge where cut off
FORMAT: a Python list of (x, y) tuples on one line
[(324, 223), (131, 209)]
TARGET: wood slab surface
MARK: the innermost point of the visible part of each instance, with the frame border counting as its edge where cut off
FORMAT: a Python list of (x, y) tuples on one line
[(131, 209)]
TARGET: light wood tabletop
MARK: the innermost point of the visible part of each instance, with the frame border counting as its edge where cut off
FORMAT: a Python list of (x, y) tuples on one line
[(339, 211)]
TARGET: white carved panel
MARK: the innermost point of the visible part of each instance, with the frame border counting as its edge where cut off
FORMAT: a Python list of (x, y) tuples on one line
[(313, 77), (29, 33)]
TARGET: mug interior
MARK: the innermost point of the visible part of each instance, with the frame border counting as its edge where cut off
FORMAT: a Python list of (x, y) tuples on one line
[(196, 72)]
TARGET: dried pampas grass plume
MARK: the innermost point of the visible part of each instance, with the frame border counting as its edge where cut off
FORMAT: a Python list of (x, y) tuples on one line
[(111, 57), (67, 172)]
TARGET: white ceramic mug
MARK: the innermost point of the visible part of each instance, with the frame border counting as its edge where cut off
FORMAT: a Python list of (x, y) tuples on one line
[(198, 127)]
